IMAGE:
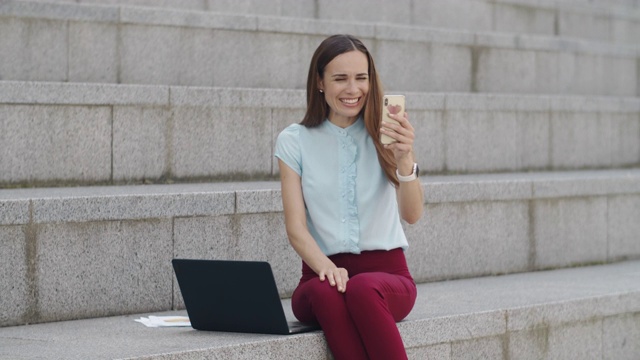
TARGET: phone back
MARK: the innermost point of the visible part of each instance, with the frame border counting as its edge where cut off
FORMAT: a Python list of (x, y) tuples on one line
[(391, 104)]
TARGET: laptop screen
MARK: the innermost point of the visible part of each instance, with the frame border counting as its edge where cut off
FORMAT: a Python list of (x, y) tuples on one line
[(236, 296)]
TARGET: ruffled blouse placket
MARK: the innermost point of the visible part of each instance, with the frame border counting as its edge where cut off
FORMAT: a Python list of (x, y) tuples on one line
[(347, 152)]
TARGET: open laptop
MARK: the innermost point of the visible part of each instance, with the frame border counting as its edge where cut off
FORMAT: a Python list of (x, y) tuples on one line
[(236, 296)]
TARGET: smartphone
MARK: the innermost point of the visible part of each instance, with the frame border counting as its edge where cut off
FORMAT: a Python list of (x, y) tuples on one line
[(391, 104)]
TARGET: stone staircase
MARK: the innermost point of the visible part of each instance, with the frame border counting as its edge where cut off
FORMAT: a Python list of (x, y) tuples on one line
[(135, 134)]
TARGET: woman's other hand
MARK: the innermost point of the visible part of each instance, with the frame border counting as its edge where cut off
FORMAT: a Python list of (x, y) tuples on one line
[(337, 277)]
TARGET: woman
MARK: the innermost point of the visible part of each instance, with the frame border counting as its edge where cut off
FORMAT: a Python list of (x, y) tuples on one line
[(343, 194)]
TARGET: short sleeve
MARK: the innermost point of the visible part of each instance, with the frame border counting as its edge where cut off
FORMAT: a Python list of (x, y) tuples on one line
[(288, 148)]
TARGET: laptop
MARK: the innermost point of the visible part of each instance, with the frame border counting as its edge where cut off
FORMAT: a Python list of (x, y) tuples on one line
[(234, 296)]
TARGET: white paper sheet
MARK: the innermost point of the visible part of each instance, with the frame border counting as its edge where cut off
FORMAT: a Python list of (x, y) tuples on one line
[(164, 321)]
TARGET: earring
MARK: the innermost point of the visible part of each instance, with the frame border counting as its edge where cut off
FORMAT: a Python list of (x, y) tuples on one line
[(321, 91)]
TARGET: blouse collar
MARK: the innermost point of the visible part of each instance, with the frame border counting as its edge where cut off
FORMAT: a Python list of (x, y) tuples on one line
[(352, 129)]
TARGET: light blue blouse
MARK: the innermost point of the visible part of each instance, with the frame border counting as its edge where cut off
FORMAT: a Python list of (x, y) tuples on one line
[(350, 205)]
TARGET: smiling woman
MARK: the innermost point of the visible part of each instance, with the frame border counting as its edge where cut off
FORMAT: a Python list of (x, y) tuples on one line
[(343, 194), (345, 85)]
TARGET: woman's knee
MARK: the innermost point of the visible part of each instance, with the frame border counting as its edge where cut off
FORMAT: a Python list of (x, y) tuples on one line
[(319, 293), (323, 289), (380, 293), (362, 289)]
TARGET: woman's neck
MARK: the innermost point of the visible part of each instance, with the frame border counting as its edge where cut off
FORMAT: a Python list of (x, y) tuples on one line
[(343, 122)]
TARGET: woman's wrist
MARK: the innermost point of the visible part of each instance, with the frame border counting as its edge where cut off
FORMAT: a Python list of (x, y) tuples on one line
[(405, 166), (408, 178)]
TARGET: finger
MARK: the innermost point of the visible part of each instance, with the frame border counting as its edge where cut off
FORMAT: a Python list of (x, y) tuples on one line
[(403, 120), (339, 283), (321, 276), (345, 280), (406, 132), (331, 278), (401, 138), (401, 128)]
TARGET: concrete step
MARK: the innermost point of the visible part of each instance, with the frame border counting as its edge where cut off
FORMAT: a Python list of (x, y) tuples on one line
[(622, 3), (581, 313), (613, 22), (138, 45), (57, 134), (71, 253)]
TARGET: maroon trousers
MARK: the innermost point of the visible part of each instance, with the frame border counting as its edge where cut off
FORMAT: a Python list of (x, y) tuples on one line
[(361, 322)]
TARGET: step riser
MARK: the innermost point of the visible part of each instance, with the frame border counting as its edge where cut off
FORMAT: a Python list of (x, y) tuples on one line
[(593, 338), (151, 47), (85, 267), (93, 135), (531, 17)]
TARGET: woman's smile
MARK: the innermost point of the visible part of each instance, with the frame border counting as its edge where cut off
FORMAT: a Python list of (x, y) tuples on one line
[(351, 102)]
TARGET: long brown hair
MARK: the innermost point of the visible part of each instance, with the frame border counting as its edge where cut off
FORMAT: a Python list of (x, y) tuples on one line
[(318, 109)]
